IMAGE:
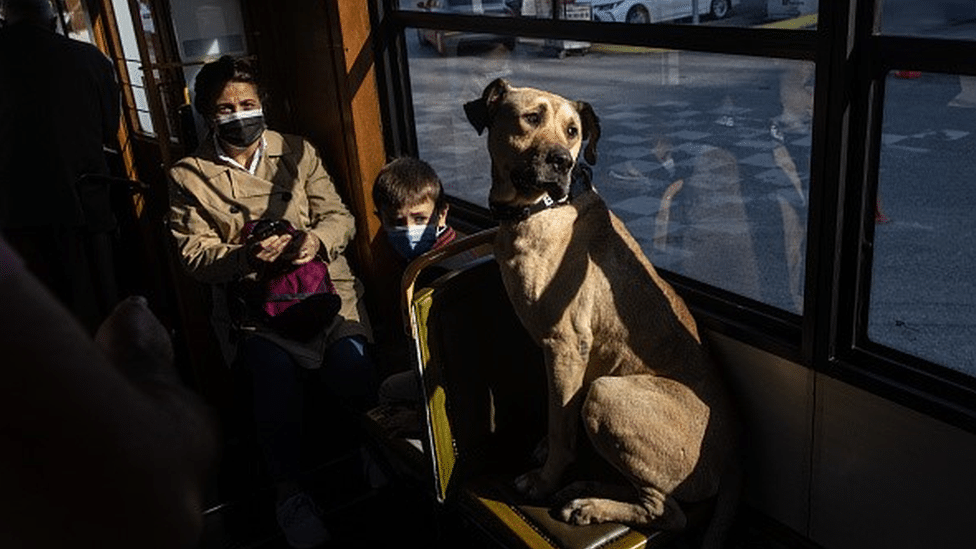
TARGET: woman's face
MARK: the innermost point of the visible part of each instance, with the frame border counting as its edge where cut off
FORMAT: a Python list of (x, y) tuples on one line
[(238, 120), (236, 97)]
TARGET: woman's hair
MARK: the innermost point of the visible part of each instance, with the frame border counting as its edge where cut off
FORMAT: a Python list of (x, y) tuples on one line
[(407, 181), (214, 76)]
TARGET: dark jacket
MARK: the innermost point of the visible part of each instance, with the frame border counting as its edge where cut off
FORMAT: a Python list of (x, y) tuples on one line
[(59, 104)]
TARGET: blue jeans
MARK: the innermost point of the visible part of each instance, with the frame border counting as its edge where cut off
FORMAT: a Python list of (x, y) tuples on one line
[(278, 394)]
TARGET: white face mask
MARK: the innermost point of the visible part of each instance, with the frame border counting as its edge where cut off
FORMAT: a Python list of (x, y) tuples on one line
[(414, 240), (240, 129)]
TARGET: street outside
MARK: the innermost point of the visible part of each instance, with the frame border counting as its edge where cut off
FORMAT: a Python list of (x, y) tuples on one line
[(706, 158)]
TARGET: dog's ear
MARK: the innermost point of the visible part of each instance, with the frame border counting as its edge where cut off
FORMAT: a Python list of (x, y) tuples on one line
[(480, 111), (591, 130)]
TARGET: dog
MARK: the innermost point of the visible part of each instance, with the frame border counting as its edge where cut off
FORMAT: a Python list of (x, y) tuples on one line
[(622, 351)]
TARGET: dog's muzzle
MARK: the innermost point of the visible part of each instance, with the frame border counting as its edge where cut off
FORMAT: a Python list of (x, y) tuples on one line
[(544, 170)]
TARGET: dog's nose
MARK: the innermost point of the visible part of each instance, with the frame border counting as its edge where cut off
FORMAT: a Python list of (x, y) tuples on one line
[(560, 159)]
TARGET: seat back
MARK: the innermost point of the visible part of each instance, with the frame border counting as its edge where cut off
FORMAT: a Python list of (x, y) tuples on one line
[(483, 379)]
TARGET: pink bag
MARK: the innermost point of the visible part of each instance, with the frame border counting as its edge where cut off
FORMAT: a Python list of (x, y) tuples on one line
[(299, 301)]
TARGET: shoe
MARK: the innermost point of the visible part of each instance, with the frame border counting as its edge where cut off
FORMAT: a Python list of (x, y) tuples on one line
[(300, 520)]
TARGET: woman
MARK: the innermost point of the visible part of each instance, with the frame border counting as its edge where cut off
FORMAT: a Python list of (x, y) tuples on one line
[(242, 173)]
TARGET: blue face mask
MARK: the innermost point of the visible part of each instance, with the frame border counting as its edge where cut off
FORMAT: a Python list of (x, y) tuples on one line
[(414, 240)]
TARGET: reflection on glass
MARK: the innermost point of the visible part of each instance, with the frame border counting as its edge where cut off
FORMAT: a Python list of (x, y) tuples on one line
[(954, 19), (705, 157), (660, 11), (448, 42), (495, 8), (923, 292), (76, 22), (793, 14)]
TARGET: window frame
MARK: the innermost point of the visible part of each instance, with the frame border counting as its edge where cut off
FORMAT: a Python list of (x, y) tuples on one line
[(851, 62), (910, 380)]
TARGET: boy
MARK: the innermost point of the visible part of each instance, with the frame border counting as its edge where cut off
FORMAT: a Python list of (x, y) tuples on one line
[(412, 208)]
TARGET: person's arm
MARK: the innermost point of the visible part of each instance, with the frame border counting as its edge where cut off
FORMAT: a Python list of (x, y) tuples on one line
[(100, 446), (329, 219), (201, 250)]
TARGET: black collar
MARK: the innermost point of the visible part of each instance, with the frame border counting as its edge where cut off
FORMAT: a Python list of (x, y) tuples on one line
[(582, 181), (504, 212)]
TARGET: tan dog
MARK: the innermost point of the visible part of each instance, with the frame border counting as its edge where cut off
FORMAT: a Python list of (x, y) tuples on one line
[(622, 350)]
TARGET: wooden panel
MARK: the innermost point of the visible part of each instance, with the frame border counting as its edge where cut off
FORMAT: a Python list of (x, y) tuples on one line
[(362, 94), (317, 60)]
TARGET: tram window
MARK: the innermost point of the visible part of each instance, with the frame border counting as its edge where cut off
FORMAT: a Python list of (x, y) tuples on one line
[(734, 13), (499, 8), (207, 29), (75, 21), (923, 293), (709, 154), (954, 19), (134, 62), (705, 157)]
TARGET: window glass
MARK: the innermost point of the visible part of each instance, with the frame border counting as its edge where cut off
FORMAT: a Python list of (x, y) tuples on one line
[(207, 29), (954, 19), (923, 293), (76, 22), (500, 8), (134, 63), (705, 157), (796, 14), (139, 91)]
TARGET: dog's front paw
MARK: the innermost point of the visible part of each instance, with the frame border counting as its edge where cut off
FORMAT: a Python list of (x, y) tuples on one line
[(582, 511), (535, 485)]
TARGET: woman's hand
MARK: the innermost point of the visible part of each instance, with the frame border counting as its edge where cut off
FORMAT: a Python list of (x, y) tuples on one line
[(297, 249), (306, 252), (270, 248)]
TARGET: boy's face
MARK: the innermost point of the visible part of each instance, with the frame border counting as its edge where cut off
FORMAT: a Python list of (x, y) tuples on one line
[(421, 213)]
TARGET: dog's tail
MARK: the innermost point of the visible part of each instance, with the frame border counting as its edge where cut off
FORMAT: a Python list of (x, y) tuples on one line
[(726, 503)]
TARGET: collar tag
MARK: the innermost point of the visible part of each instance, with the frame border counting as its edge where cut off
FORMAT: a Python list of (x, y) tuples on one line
[(502, 212)]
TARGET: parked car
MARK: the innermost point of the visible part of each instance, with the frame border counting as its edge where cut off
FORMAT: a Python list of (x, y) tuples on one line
[(656, 11), (447, 42)]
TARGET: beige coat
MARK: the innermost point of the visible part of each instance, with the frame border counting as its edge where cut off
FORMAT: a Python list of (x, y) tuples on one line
[(211, 200)]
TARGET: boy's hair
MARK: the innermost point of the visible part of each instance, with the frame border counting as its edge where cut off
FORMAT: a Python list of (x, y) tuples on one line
[(214, 76), (407, 181)]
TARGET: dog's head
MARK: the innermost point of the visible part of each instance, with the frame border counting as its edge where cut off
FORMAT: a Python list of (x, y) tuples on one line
[(534, 138)]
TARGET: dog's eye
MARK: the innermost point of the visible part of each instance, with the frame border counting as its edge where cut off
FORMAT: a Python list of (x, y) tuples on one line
[(572, 131), (532, 118)]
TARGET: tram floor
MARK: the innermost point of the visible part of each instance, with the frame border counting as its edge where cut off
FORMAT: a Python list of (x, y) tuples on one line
[(401, 512), (357, 515)]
